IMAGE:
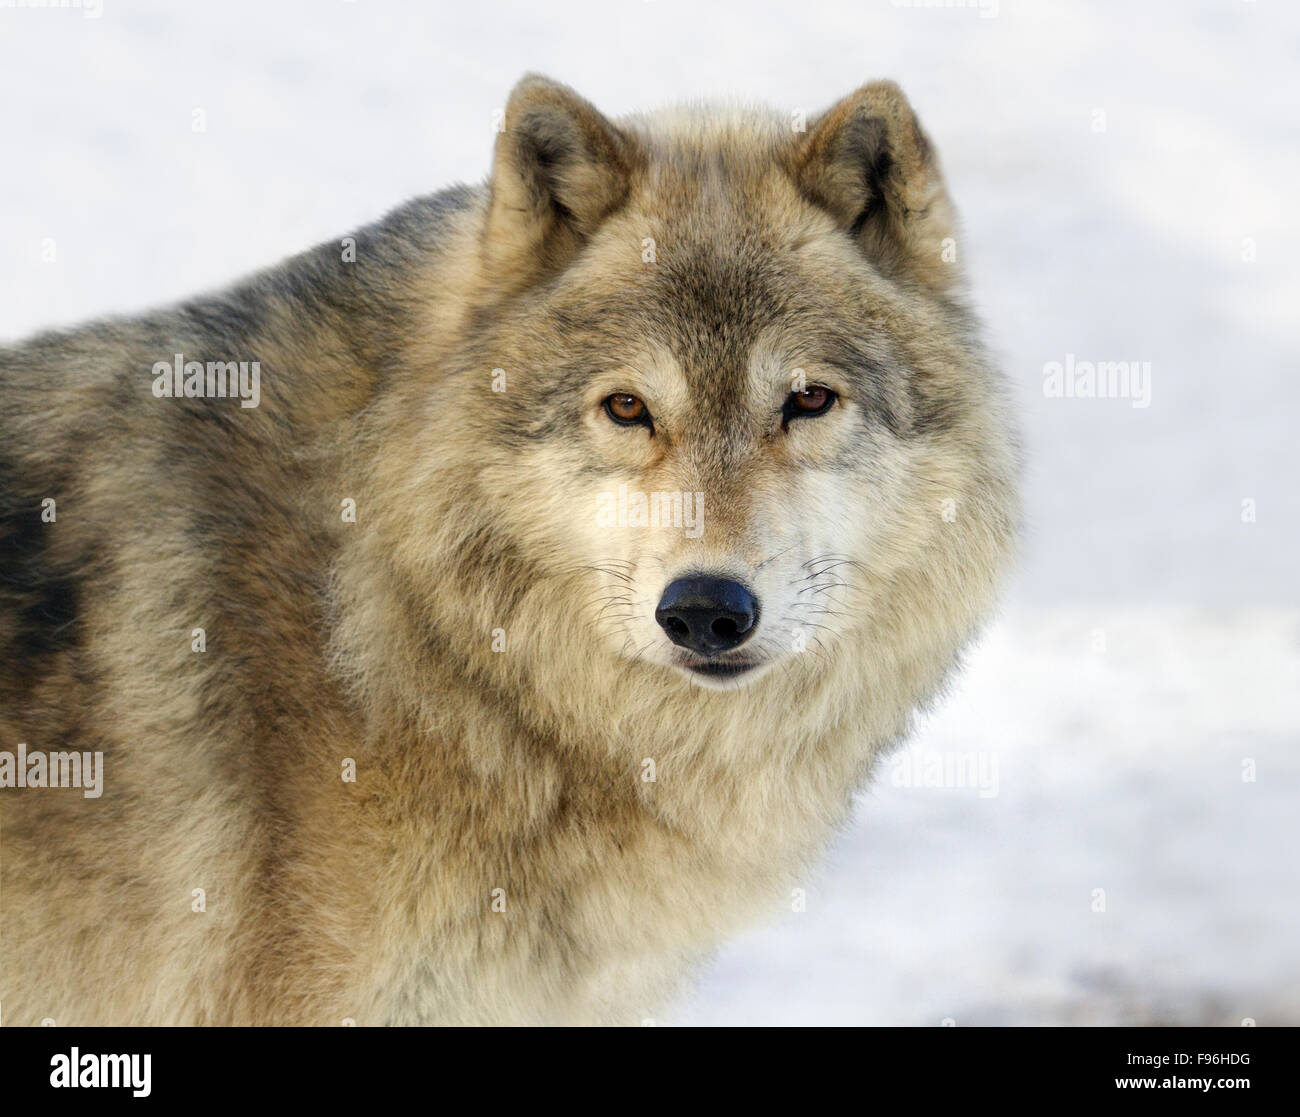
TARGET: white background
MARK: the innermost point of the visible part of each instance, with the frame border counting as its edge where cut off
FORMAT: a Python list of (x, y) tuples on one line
[(1118, 769)]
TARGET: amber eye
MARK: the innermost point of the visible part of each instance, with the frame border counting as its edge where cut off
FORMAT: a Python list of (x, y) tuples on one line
[(815, 400), (627, 410)]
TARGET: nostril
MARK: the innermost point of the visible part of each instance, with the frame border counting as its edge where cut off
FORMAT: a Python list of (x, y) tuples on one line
[(676, 626), (725, 628)]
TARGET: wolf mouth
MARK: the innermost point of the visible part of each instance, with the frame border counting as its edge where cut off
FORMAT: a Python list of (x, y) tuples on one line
[(726, 670)]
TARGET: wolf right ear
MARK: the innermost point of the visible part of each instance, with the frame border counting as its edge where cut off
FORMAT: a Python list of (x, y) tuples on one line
[(559, 170), (868, 163)]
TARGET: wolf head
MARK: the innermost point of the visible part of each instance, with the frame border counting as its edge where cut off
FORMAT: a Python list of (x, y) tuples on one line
[(718, 405)]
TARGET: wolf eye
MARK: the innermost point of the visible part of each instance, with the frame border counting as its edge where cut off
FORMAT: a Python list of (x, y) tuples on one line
[(812, 401), (627, 410)]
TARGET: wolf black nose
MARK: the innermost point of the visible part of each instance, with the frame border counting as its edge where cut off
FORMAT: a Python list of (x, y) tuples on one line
[(707, 615)]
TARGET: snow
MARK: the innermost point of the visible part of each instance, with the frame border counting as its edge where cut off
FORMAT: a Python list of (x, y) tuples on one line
[(1125, 769), (1150, 644)]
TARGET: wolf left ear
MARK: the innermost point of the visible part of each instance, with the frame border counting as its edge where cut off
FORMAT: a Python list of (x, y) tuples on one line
[(559, 170), (868, 163)]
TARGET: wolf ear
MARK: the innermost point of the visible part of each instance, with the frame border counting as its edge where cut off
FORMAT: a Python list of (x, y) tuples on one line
[(559, 170), (868, 163)]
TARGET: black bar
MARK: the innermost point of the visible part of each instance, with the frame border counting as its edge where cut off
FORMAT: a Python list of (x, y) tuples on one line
[(363, 1064)]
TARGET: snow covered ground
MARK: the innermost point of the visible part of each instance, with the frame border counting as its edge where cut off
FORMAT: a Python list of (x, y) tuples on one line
[(1127, 175), (1125, 771)]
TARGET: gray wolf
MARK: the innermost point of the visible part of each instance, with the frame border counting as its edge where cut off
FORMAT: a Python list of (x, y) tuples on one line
[(482, 615)]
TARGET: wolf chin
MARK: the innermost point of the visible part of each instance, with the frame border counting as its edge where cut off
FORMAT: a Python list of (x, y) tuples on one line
[(396, 728)]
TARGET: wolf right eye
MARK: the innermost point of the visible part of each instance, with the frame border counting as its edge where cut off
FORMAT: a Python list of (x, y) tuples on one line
[(627, 410), (808, 404)]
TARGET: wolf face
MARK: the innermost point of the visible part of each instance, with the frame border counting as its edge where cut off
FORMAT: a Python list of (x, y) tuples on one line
[(742, 395)]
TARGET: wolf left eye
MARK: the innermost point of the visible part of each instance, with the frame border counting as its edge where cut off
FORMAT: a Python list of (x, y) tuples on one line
[(627, 410), (808, 404)]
